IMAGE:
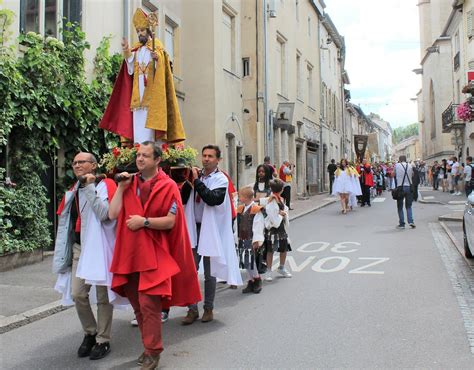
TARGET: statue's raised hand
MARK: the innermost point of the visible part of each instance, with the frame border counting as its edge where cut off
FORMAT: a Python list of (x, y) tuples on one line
[(125, 46)]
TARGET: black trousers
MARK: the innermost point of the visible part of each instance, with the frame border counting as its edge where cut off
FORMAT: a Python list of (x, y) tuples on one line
[(366, 195), (331, 181), (286, 194)]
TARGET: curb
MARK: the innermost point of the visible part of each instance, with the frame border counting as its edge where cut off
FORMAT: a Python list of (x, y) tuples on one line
[(458, 247), (430, 201), (450, 217), (35, 314), (319, 206)]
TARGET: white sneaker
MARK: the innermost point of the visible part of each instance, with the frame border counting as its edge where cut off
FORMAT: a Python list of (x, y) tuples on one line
[(134, 322), (284, 272), (268, 276), (458, 193)]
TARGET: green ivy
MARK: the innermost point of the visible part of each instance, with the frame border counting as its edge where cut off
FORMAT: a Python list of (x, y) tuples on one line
[(47, 104)]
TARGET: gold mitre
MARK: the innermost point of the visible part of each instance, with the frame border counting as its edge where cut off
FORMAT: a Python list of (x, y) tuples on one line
[(140, 19)]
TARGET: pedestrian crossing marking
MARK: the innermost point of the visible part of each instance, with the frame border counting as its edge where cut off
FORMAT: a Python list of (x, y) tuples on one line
[(378, 200), (429, 197)]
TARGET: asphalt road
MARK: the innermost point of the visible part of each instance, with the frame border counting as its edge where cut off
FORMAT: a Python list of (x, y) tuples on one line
[(363, 295)]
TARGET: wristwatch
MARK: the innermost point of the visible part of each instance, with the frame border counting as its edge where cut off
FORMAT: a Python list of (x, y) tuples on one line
[(146, 223)]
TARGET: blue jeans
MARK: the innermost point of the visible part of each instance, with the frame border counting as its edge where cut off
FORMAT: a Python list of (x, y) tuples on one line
[(408, 198)]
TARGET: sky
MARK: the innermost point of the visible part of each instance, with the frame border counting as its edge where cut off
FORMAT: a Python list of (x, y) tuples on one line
[(382, 49)]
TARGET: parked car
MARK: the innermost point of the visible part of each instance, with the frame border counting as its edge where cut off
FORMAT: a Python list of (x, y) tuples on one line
[(468, 227)]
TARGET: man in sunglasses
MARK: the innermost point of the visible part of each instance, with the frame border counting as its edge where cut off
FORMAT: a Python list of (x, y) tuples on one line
[(83, 251)]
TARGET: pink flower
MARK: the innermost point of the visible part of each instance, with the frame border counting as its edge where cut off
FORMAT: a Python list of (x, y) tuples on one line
[(165, 147)]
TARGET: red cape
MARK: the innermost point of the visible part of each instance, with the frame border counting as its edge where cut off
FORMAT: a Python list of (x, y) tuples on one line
[(231, 190), (118, 117), (164, 259)]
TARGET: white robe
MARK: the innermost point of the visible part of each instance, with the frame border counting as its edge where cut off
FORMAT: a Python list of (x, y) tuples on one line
[(216, 238), (97, 250), (140, 132)]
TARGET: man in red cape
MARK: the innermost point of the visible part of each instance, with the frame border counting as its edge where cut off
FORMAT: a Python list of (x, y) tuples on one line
[(153, 263)]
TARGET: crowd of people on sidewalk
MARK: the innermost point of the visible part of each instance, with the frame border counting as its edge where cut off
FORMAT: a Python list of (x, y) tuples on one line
[(144, 238), (452, 176)]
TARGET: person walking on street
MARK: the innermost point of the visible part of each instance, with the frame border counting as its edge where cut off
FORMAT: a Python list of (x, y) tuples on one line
[(332, 167), (213, 218), (85, 239), (153, 261), (367, 182), (416, 180), (286, 175), (469, 176), (456, 176), (267, 162), (435, 169), (403, 179)]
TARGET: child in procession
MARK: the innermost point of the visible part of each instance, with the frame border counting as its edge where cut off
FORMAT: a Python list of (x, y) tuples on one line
[(250, 226), (276, 229)]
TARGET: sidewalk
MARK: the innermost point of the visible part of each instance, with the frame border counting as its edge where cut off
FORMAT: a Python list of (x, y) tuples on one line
[(454, 202), (28, 295)]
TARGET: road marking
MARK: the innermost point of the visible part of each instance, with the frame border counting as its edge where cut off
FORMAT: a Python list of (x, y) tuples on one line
[(429, 197), (378, 200), (294, 267), (377, 261), (318, 266), (306, 245), (339, 246)]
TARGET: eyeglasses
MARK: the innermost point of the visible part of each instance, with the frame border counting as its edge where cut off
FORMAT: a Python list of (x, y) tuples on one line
[(80, 163)]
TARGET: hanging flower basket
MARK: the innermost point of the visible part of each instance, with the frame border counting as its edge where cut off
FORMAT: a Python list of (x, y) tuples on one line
[(464, 112)]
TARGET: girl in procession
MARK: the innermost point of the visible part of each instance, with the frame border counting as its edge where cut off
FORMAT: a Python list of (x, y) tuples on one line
[(276, 228), (344, 185)]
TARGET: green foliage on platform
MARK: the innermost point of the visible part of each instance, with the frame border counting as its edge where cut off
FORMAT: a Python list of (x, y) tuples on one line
[(46, 105)]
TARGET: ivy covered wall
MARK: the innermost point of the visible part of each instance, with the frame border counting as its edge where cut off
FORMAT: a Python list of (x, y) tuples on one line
[(46, 107)]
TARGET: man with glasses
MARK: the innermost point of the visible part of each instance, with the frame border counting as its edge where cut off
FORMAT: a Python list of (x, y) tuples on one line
[(83, 251)]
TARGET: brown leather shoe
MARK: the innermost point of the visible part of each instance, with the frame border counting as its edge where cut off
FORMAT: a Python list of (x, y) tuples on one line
[(207, 315), (249, 288), (257, 285), (190, 317), (140, 359), (150, 362)]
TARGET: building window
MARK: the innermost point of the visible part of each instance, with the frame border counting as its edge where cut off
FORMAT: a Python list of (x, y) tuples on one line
[(299, 93), (29, 16), (245, 67), (50, 18), (72, 11), (309, 26), (170, 38), (310, 86), (281, 65), (228, 41)]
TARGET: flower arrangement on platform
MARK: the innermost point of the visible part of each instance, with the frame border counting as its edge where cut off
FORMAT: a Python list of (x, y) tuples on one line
[(464, 111), (178, 155), (119, 158)]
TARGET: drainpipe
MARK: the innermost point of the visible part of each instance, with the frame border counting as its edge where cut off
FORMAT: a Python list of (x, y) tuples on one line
[(321, 102), (267, 131)]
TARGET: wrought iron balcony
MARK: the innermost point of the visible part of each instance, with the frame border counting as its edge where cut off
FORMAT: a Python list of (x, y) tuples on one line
[(450, 118)]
